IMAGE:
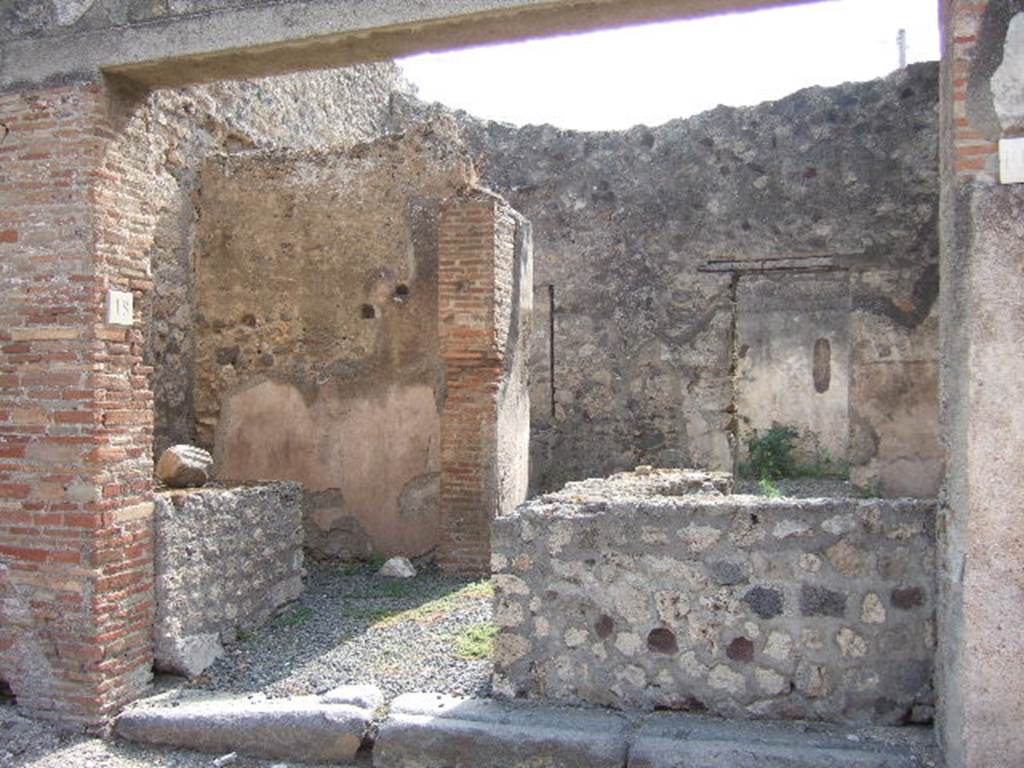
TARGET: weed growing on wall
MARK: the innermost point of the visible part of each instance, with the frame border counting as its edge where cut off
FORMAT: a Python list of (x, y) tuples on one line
[(770, 453)]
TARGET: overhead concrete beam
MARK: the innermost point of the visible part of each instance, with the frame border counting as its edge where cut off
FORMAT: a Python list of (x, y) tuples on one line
[(294, 35)]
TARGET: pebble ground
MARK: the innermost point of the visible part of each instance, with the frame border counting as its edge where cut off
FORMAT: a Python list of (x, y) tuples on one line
[(348, 627), (353, 627)]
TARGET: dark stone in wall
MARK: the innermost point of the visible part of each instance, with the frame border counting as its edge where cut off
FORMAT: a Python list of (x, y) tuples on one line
[(662, 640), (740, 649), (907, 598), (726, 573), (818, 601), (765, 602)]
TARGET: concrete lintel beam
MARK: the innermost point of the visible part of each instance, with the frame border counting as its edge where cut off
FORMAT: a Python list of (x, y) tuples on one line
[(295, 35)]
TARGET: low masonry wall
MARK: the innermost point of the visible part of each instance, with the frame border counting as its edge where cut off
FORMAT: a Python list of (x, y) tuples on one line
[(226, 560), (610, 593)]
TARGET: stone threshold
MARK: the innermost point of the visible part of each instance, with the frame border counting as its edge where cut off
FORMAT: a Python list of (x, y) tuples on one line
[(428, 730)]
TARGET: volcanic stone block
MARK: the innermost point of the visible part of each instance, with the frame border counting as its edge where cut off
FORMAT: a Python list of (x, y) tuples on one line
[(184, 466), (303, 728), (226, 559), (434, 730)]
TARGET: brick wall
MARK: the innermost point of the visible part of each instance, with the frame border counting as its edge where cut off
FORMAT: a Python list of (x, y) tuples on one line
[(975, 153), (75, 411), (477, 268)]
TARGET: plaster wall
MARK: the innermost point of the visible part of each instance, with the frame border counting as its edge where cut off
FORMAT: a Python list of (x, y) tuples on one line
[(982, 548), (792, 357), (317, 347), (514, 322), (180, 128), (640, 237)]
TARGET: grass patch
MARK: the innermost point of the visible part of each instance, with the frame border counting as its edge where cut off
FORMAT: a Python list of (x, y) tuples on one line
[(476, 643), (390, 588), (441, 606), (769, 489), (357, 567), (872, 490), (293, 618)]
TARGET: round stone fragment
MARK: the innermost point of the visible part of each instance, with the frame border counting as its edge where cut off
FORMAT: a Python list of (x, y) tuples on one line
[(184, 466)]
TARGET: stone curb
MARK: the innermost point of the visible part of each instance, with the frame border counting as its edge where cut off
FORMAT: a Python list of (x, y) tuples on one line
[(429, 731), (303, 729), (426, 730), (690, 741)]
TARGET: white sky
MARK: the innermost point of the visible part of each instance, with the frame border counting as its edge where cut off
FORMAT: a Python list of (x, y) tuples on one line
[(653, 73)]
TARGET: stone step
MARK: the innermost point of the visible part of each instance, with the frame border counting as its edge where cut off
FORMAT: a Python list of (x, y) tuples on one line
[(428, 730), (303, 728), (692, 741), (434, 731)]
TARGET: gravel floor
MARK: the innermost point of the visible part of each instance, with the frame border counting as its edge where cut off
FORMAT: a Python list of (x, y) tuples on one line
[(400, 635), (348, 627)]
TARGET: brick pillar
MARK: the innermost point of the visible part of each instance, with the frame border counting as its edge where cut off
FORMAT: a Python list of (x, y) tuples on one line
[(480, 272), (981, 555), (75, 411)]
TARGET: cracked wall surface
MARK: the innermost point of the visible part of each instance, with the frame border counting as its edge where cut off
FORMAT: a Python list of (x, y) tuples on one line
[(184, 126), (825, 184), (317, 353)]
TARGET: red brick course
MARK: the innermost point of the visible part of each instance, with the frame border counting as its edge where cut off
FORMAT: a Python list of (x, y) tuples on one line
[(476, 248), (75, 411), (976, 156)]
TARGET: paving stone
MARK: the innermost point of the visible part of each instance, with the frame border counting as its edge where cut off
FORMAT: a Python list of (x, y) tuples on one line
[(430, 731), (302, 728), (687, 741), (362, 696)]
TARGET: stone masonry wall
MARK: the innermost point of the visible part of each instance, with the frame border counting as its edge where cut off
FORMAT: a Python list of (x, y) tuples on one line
[(308, 111), (742, 606), (644, 239), (226, 560), (317, 357)]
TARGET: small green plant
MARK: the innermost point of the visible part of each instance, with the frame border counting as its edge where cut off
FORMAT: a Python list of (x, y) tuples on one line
[(821, 463), (872, 490), (243, 636), (476, 642), (769, 489), (390, 588), (293, 618), (350, 569), (437, 608), (771, 453)]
